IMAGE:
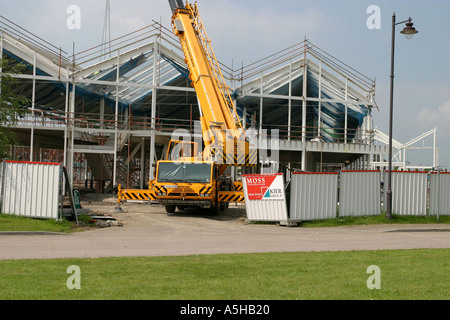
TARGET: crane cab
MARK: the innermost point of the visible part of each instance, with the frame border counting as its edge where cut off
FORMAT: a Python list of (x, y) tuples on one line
[(185, 185)]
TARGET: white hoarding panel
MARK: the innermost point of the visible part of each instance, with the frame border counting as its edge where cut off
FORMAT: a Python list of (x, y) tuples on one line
[(440, 193), (409, 193), (360, 193), (313, 196), (31, 189), (265, 198)]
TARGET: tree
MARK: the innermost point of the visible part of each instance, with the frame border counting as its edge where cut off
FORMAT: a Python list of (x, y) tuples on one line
[(12, 104)]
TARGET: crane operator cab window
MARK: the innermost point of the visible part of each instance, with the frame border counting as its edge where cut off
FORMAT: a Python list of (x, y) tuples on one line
[(184, 172)]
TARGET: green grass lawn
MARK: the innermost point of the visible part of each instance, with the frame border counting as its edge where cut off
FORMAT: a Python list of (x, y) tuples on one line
[(405, 275), (19, 224), (379, 219)]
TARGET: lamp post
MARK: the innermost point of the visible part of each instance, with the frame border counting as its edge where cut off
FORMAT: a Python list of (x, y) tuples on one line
[(409, 31)]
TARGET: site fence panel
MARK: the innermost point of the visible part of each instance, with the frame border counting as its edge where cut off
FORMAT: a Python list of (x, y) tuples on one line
[(313, 196), (1, 185), (439, 194), (409, 193), (360, 193), (265, 198), (31, 189)]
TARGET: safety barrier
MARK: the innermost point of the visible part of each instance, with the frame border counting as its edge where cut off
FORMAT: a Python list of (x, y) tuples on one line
[(30, 189), (409, 193), (360, 193), (136, 195), (319, 196), (313, 196), (439, 194), (231, 196)]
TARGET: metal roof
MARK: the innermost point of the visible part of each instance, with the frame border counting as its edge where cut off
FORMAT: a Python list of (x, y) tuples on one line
[(331, 88)]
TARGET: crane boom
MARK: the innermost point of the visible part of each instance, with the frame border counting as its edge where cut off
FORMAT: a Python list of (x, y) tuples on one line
[(219, 119)]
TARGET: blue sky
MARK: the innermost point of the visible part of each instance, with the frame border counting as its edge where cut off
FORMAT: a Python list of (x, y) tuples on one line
[(244, 31)]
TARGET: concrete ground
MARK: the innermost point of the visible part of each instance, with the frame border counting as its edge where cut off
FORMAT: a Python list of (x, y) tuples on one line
[(148, 231)]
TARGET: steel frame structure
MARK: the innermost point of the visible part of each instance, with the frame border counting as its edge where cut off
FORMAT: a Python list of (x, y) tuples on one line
[(400, 155), (152, 55)]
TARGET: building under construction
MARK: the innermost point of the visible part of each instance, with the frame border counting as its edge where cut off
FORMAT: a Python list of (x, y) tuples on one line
[(109, 112)]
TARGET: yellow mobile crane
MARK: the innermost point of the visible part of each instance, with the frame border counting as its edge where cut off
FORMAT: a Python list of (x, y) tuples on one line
[(186, 178)]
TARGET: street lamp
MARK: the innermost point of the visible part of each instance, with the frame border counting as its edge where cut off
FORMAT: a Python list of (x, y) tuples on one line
[(409, 31)]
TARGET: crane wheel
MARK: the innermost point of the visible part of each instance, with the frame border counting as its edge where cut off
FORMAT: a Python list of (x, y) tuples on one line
[(215, 210), (170, 208)]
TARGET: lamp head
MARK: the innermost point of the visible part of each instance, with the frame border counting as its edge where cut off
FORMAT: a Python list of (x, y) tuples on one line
[(409, 31)]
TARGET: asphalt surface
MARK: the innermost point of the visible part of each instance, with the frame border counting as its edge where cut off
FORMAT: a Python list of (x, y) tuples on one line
[(148, 231)]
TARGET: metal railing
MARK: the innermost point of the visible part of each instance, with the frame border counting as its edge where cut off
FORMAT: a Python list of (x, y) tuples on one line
[(57, 119)]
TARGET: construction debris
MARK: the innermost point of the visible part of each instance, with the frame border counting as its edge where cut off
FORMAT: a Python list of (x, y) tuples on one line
[(106, 221)]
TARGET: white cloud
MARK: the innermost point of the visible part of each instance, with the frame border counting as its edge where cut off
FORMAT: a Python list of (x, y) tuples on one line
[(439, 117)]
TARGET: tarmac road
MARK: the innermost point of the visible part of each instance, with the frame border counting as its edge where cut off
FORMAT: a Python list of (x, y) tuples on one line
[(148, 231)]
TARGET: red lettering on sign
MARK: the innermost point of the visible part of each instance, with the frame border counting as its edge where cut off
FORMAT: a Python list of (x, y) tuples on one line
[(258, 186)]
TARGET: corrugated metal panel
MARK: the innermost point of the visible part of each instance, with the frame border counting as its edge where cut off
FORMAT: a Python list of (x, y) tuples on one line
[(440, 193), (409, 193), (313, 196), (1, 185), (360, 193), (265, 207), (31, 189)]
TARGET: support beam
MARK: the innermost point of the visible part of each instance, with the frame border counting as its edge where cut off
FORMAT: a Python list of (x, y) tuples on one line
[(290, 102), (1, 57), (435, 155), (33, 105), (261, 106), (102, 113), (305, 89), (142, 173), (156, 51), (304, 101), (116, 120), (346, 112), (71, 135), (244, 118), (66, 121), (319, 120)]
